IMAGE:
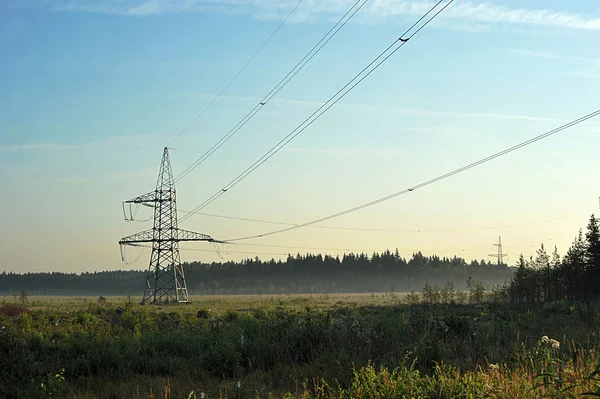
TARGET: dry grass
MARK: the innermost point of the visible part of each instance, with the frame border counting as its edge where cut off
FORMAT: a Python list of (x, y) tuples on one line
[(222, 303)]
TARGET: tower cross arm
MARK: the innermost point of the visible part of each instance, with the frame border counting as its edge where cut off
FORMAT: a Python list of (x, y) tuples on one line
[(148, 236), (145, 236), (186, 235), (150, 197)]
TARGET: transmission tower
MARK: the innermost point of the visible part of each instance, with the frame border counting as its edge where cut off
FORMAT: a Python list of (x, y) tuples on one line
[(165, 280), (500, 256)]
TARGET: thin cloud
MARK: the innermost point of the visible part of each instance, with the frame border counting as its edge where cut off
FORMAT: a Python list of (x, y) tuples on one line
[(39, 147), (421, 112), (380, 108), (590, 71), (52, 147), (542, 54), (354, 152), (132, 175), (537, 54), (484, 12)]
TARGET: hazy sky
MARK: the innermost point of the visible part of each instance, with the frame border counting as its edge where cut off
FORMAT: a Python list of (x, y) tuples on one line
[(92, 90)]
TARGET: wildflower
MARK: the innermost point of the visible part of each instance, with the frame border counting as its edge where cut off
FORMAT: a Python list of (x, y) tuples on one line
[(494, 367), (555, 344), (545, 339)]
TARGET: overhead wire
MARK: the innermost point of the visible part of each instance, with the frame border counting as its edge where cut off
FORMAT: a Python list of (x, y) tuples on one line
[(349, 250), (429, 182), (237, 74), (122, 249), (279, 86), (516, 245), (302, 165), (366, 229), (355, 81), (133, 213)]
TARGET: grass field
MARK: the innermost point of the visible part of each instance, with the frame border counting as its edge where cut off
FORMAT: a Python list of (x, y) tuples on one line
[(220, 303), (305, 346)]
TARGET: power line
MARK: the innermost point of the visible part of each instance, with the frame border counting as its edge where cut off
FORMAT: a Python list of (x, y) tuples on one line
[(431, 181), (282, 83), (357, 79), (381, 229), (308, 248), (237, 74), (301, 165), (516, 245), (355, 251)]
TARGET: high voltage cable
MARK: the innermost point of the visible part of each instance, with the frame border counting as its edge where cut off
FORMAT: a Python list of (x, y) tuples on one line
[(358, 78), (431, 181), (516, 245), (282, 83), (237, 74), (355, 251), (303, 165), (379, 229)]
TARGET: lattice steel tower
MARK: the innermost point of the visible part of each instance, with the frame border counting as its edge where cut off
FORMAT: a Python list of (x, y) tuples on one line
[(165, 279), (500, 255)]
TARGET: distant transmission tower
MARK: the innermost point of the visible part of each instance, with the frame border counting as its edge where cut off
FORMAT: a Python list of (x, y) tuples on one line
[(500, 256), (165, 279)]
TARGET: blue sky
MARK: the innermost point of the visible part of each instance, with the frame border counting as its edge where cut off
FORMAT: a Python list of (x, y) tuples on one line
[(91, 91)]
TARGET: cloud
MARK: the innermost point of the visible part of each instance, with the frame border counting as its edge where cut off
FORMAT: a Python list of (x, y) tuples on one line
[(52, 147), (354, 152), (39, 147), (422, 112), (132, 175), (147, 172), (478, 14), (375, 107), (537, 54), (590, 71), (541, 54)]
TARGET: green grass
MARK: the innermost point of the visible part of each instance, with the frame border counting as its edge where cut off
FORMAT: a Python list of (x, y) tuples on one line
[(218, 303), (320, 346)]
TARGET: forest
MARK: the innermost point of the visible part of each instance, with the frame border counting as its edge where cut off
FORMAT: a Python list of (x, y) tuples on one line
[(547, 278), (299, 274)]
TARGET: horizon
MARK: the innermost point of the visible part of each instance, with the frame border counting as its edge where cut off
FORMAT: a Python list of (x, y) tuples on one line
[(94, 91)]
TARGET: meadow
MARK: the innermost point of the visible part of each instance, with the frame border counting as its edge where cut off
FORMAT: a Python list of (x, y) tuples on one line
[(298, 346)]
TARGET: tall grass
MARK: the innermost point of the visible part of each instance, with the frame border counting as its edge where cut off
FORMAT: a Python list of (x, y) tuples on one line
[(106, 349)]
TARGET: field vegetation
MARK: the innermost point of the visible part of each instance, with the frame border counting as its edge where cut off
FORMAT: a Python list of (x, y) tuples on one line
[(325, 346), (536, 336)]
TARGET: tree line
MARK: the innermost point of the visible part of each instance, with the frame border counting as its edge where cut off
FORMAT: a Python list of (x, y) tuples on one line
[(548, 277), (309, 273)]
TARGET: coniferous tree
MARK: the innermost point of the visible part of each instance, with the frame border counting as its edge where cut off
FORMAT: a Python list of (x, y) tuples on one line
[(542, 265), (556, 291), (576, 277), (592, 257), (574, 266), (517, 287)]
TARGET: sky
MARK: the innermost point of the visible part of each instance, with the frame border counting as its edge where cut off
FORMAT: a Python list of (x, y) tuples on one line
[(92, 91)]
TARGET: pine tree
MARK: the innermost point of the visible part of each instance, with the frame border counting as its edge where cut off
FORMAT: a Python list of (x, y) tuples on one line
[(516, 286), (574, 266), (542, 264), (556, 291), (592, 256)]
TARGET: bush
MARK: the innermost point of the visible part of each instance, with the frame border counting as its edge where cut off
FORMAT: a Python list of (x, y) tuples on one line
[(12, 310)]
